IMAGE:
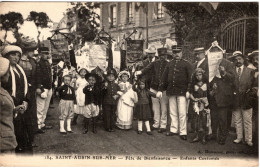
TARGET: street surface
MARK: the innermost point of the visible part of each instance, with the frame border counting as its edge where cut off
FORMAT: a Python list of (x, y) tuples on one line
[(123, 142)]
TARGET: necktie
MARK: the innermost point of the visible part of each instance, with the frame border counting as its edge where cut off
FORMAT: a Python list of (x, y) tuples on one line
[(239, 73)]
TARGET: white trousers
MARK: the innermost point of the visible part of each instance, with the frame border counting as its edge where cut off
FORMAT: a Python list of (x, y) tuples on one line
[(178, 114), (42, 108), (160, 110), (243, 123)]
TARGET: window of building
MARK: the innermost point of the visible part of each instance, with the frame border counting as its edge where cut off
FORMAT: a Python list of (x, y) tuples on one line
[(160, 12), (113, 16), (129, 12)]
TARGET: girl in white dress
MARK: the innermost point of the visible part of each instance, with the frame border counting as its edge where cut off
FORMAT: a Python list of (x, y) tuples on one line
[(126, 102), (81, 83)]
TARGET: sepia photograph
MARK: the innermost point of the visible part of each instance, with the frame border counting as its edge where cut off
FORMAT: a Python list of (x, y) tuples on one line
[(136, 84)]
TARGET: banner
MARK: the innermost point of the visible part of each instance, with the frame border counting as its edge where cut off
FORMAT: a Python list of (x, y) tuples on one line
[(214, 59), (92, 55), (134, 51), (59, 49)]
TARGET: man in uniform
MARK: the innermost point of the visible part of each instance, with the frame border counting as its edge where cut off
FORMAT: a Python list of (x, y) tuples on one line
[(44, 88), (159, 106), (176, 81)]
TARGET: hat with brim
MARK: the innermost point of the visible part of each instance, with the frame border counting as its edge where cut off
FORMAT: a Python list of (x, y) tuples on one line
[(4, 66), (124, 73), (111, 71), (199, 50), (150, 50), (254, 53), (176, 49), (43, 50), (236, 54), (88, 75), (11, 48)]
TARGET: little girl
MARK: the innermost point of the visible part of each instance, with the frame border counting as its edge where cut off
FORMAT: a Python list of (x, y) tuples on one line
[(66, 105), (200, 106), (80, 96), (126, 102), (92, 101), (143, 109)]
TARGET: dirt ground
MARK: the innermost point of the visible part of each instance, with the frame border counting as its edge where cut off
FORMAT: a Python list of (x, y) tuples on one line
[(123, 142)]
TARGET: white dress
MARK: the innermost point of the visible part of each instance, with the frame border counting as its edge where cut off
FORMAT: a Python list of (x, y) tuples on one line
[(125, 106), (80, 96)]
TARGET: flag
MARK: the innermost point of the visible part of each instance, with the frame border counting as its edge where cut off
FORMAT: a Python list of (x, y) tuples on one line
[(209, 6)]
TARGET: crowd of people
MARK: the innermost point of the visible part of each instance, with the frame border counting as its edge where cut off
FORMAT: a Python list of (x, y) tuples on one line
[(166, 93)]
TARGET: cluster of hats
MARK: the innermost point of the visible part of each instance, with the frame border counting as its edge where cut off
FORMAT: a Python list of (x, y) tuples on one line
[(163, 51)]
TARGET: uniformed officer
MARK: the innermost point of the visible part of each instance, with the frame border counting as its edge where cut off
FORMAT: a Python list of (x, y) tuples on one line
[(159, 106), (176, 80)]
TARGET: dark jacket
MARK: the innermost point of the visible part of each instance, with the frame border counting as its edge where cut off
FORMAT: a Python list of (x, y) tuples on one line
[(223, 95), (155, 69), (176, 78), (242, 97), (92, 95), (63, 93), (7, 138), (43, 74), (108, 93), (144, 96)]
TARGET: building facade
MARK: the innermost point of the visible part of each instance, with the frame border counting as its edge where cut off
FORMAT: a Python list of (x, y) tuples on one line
[(121, 18)]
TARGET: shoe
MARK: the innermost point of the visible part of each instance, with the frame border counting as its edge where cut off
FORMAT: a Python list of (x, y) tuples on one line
[(94, 130), (149, 133), (221, 143), (63, 133), (40, 131), (34, 145), (47, 127), (170, 134), (183, 137), (203, 141), (237, 141), (86, 131), (250, 144), (161, 130), (70, 132), (196, 139), (139, 132)]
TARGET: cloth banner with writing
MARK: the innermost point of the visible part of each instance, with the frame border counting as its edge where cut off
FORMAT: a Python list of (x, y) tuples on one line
[(134, 51), (214, 59)]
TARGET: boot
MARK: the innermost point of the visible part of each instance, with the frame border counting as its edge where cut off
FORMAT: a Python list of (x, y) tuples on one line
[(74, 121), (196, 139), (203, 139), (86, 122), (69, 126), (62, 130), (94, 125)]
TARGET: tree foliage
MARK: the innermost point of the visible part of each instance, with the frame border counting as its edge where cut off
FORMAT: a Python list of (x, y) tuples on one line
[(193, 21), (11, 22), (84, 16), (40, 19)]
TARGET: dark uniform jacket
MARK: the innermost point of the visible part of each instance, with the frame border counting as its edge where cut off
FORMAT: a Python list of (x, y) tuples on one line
[(7, 138), (223, 95), (92, 95), (176, 78), (63, 93), (43, 73), (108, 93), (242, 97), (156, 70)]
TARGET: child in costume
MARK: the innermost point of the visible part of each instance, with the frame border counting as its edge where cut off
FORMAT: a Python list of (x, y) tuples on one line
[(110, 96), (143, 108), (200, 106), (66, 105), (126, 102), (80, 96), (92, 101)]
